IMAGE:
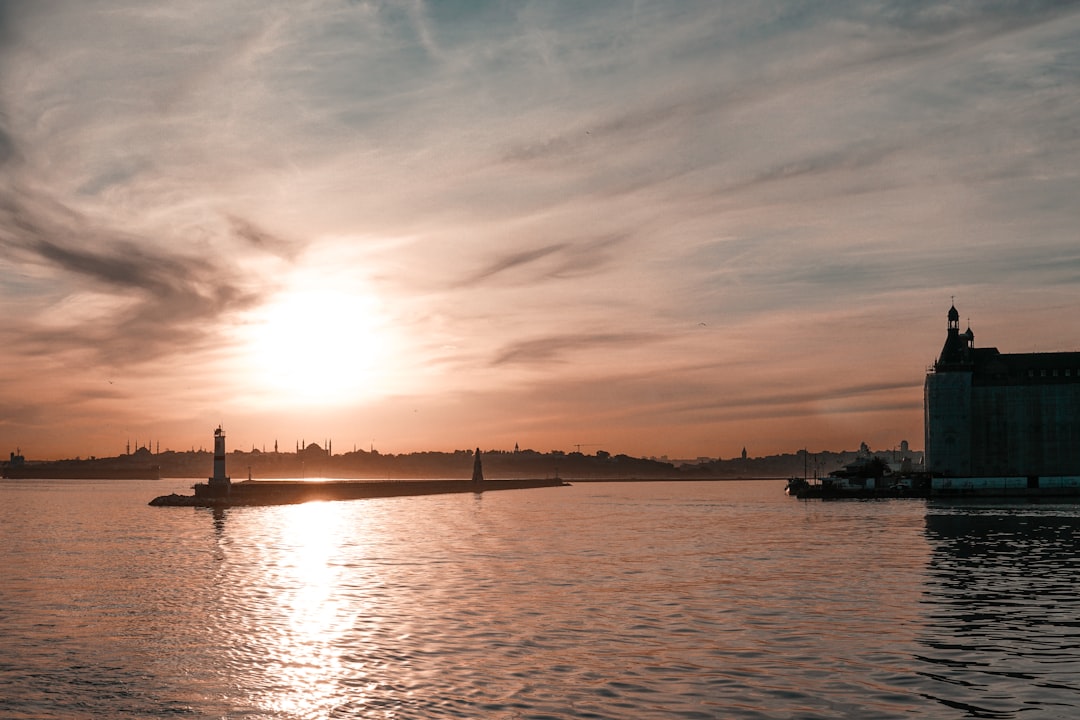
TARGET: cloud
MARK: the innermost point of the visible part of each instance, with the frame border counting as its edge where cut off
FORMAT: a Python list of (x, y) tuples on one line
[(260, 239), (542, 351), (16, 416), (508, 262), (739, 404), (7, 145), (569, 259), (552, 191), (174, 299), (936, 19), (124, 265)]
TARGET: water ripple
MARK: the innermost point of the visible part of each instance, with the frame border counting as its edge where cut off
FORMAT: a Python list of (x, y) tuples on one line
[(635, 600)]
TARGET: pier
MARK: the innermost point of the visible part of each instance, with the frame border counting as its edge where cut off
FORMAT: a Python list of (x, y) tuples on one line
[(219, 491), (290, 492)]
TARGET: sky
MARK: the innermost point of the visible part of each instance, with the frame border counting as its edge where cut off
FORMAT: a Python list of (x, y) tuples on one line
[(667, 228)]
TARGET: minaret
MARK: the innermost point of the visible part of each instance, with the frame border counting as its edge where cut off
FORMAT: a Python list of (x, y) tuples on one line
[(220, 484)]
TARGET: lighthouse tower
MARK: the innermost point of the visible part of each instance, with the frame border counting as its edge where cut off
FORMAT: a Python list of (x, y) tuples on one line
[(220, 484)]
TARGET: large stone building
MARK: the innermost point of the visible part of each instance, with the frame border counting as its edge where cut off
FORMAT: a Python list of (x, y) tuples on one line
[(995, 415)]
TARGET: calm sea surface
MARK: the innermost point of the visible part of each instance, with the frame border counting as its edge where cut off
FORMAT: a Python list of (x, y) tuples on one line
[(606, 600)]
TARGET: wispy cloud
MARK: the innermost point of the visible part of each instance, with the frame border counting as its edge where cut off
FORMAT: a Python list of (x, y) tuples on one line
[(537, 194), (260, 239), (562, 260), (509, 262), (542, 351), (7, 146), (174, 298)]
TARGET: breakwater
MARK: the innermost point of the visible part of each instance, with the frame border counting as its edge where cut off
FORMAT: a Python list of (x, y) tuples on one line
[(290, 492)]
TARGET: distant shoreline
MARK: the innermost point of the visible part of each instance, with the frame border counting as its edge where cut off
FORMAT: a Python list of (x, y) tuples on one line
[(313, 461)]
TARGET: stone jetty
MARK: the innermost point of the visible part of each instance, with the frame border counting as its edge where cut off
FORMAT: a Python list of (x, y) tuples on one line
[(289, 492), (221, 491)]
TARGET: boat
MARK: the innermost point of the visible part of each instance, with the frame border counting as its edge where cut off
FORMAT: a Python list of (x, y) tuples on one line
[(17, 468), (866, 478), (80, 471)]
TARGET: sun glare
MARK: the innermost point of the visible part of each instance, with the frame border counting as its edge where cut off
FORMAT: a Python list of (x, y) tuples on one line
[(318, 347), (306, 618)]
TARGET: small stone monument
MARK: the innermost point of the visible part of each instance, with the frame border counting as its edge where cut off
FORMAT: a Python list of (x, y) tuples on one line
[(477, 470)]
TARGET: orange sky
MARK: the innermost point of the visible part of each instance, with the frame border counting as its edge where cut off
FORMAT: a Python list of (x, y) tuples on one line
[(662, 229)]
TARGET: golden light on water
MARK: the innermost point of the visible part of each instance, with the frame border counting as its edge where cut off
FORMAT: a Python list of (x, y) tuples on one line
[(302, 647)]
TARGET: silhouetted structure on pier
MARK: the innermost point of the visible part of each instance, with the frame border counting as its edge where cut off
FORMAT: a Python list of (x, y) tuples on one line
[(991, 414), (477, 469), (220, 485)]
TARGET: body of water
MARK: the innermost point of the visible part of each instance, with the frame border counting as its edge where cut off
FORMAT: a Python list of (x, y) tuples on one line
[(601, 600)]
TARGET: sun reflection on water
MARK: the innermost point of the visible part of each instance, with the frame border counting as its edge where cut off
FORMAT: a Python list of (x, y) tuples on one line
[(292, 656)]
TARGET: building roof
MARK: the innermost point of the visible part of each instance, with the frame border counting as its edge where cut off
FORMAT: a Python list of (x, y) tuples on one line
[(989, 366), (994, 368), (956, 354)]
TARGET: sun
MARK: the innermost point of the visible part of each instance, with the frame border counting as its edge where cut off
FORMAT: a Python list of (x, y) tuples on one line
[(318, 346)]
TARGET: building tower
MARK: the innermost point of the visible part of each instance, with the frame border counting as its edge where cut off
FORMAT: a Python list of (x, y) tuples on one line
[(220, 484), (947, 405)]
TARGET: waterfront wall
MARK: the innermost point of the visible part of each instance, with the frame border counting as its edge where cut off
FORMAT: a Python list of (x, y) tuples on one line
[(1025, 430), (1012, 486)]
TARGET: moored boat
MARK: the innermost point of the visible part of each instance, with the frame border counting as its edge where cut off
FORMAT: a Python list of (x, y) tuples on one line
[(867, 477), (121, 468)]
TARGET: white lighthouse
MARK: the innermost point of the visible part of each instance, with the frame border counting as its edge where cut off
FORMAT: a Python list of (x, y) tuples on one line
[(220, 484)]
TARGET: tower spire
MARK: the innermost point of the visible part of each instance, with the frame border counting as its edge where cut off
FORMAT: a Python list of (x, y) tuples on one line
[(957, 349)]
